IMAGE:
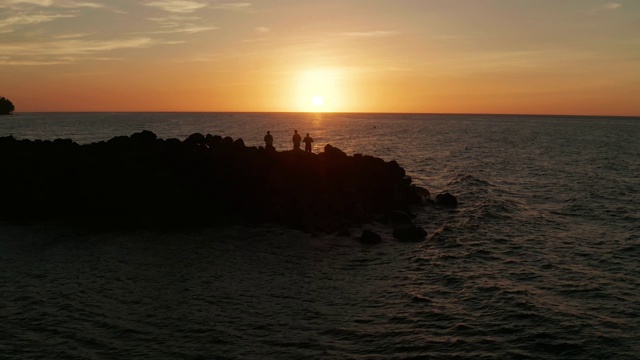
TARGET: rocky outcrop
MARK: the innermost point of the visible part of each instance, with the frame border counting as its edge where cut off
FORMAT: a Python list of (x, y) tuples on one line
[(141, 180), (446, 200), (6, 106)]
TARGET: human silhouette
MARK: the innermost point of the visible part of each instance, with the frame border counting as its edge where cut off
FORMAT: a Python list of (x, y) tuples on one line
[(296, 140), (307, 143), (268, 141)]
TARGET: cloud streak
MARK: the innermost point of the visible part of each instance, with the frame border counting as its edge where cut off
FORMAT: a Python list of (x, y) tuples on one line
[(370, 34), (187, 29), (175, 24), (230, 6), (75, 47), (6, 25), (65, 4), (177, 6), (612, 6), (28, 2)]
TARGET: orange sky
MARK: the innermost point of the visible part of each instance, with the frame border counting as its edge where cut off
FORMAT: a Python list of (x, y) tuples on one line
[(453, 56)]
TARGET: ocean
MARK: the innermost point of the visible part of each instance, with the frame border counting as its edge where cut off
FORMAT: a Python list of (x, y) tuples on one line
[(540, 260)]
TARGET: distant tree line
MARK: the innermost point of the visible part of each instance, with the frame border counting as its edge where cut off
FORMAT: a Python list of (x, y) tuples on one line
[(6, 106)]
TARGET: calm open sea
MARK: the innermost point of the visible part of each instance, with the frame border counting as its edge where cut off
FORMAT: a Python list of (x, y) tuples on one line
[(541, 260)]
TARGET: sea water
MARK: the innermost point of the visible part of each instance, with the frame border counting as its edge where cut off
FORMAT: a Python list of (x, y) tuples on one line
[(539, 261)]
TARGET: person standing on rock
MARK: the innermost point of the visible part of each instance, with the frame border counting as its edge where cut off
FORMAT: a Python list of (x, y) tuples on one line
[(307, 143), (296, 140), (268, 141)]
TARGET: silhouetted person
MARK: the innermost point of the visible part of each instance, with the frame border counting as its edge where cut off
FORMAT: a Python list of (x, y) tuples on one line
[(296, 140), (268, 141), (307, 143)]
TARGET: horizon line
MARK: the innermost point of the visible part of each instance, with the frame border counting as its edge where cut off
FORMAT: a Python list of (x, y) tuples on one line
[(334, 112)]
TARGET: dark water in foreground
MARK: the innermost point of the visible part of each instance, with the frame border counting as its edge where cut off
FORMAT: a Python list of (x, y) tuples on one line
[(540, 260)]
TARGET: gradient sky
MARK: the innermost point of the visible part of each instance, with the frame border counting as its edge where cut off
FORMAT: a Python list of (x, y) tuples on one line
[(451, 56)]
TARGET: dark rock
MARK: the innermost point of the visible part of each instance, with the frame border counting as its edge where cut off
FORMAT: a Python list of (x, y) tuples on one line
[(145, 137), (421, 191), (196, 138), (334, 152), (227, 141), (64, 143), (238, 144), (446, 200), (7, 140), (410, 233), (397, 170), (419, 195), (369, 237), (213, 140), (118, 140), (172, 143)]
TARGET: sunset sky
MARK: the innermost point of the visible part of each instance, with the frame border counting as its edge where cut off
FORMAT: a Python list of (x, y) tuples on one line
[(433, 56)]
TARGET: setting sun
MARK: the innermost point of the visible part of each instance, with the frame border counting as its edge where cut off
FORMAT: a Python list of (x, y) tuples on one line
[(319, 90), (317, 100)]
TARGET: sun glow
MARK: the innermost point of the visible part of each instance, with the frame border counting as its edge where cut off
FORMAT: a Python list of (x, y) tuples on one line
[(319, 90), (317, 100)]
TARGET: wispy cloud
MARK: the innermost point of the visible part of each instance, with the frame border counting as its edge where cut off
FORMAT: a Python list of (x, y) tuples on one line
[(33, 12), (62, 60), (368, 34), (173, 24), (72, 36), (84, 5), (173, 19), (231, 6), (78, 47), (12, 62), (28, 2), (612, 6), (188, 29), (6, 25), (178, 6), (262, 29), (66, 4)]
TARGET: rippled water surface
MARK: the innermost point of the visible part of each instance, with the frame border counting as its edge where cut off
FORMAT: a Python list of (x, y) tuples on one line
[(539, 261)]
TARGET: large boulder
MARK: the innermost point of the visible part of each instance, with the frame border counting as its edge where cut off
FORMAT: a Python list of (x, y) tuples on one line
[(333, 152), (118, 141), (227, 142), (213, 140), (446, 200), (145, 137), (419, 195), (197, 138), (238, 144)]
